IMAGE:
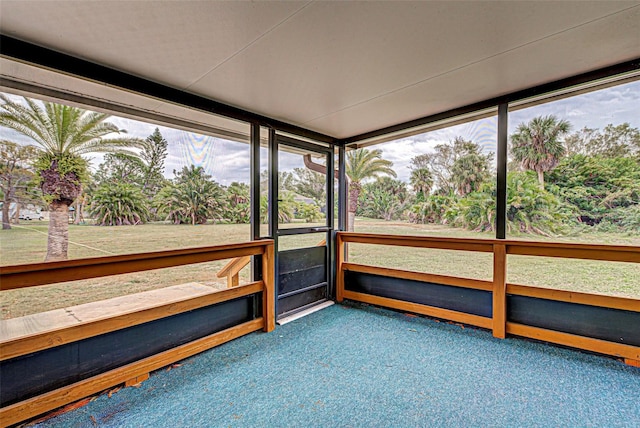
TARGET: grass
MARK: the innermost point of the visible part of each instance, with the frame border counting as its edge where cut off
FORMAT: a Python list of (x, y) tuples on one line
[(612, 278), (26, 243)]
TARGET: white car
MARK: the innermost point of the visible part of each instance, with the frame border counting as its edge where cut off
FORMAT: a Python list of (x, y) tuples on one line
[(31, 216)]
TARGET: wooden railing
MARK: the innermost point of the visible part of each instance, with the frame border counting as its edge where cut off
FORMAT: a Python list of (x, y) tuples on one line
[(499, 288), (232, 270), (14, 277)]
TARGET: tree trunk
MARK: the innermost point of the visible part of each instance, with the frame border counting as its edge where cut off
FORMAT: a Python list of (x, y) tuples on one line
[(16, 216), (541, 178), (77, 214), (6, 221), (354, 192), (351, 221), (58, 240)]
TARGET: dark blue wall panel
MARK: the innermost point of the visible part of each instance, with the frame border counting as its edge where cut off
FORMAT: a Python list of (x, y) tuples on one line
[(614, 325), (467, 300), (30, 375)]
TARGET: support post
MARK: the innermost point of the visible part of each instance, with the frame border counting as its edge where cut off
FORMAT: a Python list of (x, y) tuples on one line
[(343, 209), (256, 267), (499, 290), (342, 189), (330, 242), (273, 218), (233, 280), (339, 271), (255, 181), (273, 185), (501, 176), (269, 297)]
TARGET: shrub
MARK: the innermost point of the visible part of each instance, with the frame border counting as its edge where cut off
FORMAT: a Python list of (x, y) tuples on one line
[(476, 211), (622, 219), (384, 198), (308, 212), (596, 185), (530, 209), (434, 209), (117, 204)]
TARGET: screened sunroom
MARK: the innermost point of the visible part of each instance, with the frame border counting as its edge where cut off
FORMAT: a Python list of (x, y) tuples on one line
[(320, 213)]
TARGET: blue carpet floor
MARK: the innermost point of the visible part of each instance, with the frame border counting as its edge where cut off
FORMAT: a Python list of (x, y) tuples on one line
[(359, 366)]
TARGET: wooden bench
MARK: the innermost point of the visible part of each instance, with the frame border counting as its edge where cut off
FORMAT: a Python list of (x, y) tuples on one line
[(75, 315)]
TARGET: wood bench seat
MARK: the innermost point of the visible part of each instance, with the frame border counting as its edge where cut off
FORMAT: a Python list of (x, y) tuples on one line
[(66, 317)]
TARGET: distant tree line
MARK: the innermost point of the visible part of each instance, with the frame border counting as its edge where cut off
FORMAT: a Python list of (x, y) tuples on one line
[(556, 183)]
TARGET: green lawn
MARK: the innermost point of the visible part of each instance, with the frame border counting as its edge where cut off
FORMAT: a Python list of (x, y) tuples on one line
[(26, 243), (612, 278)]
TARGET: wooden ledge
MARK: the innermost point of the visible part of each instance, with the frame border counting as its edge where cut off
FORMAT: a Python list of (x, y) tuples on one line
[(38, 332), (42, 322)]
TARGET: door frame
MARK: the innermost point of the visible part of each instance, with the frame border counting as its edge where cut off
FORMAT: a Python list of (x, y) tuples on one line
[(275, 140)]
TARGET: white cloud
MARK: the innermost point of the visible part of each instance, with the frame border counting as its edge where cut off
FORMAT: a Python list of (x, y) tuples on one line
[(594, 109)]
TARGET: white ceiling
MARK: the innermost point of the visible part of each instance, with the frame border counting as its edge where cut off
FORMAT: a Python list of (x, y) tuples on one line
[(340, 68)]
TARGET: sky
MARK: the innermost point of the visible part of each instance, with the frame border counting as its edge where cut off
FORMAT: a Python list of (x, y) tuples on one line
[(596, 109), (228, 161)]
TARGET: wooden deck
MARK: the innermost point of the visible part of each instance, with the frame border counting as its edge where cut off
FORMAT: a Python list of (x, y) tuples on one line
[(74, 315)]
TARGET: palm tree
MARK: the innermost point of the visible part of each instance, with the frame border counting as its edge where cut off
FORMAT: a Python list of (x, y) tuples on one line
[(422, 182), (362, 164), (238, 203), (469, 172), (286, 207), (537, 146), (63, 134)]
